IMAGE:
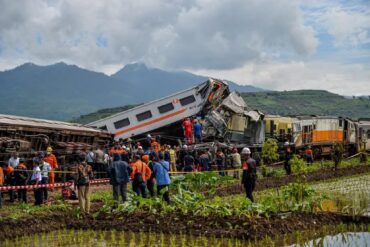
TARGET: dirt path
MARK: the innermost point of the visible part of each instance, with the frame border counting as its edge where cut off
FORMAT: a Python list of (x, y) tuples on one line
[(275, 182)]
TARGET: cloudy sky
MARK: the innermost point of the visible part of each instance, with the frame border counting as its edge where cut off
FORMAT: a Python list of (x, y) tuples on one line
[(274, 44)]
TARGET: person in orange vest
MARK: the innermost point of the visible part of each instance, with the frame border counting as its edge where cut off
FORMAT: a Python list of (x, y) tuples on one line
[(140, 175), (52, 160), (9, 180), (117, 149), (155, 146), (1, 184)]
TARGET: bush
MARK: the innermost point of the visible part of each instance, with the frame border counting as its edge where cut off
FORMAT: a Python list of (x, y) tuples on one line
[(270, 151)]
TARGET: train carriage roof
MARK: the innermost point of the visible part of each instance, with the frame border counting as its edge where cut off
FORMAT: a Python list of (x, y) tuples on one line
[(43, 123)]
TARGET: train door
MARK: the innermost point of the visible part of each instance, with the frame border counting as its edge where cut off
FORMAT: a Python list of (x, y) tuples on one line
[(307, 134)]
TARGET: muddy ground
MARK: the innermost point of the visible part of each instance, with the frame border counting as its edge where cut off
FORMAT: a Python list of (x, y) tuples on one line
[(275, 182), (235, 227)]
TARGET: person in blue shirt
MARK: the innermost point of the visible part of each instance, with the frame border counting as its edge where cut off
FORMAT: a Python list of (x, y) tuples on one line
[(197, 127), (119, 173), (161, 169)]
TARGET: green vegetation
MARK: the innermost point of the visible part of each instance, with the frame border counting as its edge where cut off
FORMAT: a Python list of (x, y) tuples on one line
[(308, 102), (22, 210)]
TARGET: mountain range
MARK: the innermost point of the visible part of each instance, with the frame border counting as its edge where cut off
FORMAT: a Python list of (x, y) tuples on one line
[(63, 92)]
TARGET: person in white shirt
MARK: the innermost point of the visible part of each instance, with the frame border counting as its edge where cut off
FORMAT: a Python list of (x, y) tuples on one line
[(36, 180), (14, 160), (45, 170)]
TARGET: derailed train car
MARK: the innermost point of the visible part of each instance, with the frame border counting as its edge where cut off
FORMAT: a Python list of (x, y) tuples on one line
[(29, 135), (224, 115)]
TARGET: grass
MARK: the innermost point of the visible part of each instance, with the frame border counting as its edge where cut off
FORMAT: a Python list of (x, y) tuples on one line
[(23, 210)]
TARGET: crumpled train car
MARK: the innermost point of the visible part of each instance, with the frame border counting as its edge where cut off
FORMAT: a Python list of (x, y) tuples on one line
[(29, 135)]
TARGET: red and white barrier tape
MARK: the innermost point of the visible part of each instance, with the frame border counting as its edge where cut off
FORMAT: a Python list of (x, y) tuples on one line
[(55, 185)]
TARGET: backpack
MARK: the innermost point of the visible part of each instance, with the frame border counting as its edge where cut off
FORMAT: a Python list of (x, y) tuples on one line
[(138, 177), (83, 180)]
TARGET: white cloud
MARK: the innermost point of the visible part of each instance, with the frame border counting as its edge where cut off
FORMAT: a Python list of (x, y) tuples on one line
[(182, 33), (350, 79)]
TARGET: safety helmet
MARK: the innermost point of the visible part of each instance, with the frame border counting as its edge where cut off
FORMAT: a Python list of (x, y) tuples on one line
[(246, 151), (185, 146), (49, 149)]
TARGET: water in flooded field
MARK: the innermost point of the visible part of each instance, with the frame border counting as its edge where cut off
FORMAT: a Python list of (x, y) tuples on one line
[(348, 239), (327, 236)]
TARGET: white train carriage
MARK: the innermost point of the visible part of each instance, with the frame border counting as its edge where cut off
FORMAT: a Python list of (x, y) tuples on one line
[(166, 111)]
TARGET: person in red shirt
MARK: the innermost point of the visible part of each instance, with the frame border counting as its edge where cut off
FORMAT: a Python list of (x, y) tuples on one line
[(309, 155), (188, 130)]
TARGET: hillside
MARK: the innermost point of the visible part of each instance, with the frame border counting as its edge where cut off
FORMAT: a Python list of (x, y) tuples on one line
[(308, 102), (301, 102), (63, 92)]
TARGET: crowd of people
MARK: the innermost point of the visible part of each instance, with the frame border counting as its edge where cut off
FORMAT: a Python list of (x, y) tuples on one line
[(148, 164), (16, 173)]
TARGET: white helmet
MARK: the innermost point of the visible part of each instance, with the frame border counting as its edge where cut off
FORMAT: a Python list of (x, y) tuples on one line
[(185, 146), (246, 151)]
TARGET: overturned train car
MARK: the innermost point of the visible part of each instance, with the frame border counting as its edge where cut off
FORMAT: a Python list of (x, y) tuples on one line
[(26, 136), (224, 115)]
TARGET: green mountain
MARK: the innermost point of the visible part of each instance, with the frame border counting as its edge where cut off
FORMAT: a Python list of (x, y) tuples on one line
[(301, 102), (64, 92), (308, 102)]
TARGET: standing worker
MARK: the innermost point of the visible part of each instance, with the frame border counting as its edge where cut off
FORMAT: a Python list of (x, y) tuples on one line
[(173, 159), (119, 173), (147, 159), (236, 162), (309, 155), (161, 169), (287, 157), (9, 180), (188, 131), (84, 175), (21, 179), (45, 170), (220, 161), (52, 160), (249, 173), (36, 180), (140, 175), (197, 131)]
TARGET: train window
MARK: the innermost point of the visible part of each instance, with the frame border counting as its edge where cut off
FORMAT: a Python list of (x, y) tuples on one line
[(103, 127), (187, 100), (143, 116), (122, 123), (340, 123), (368, 134), (166, 108)]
